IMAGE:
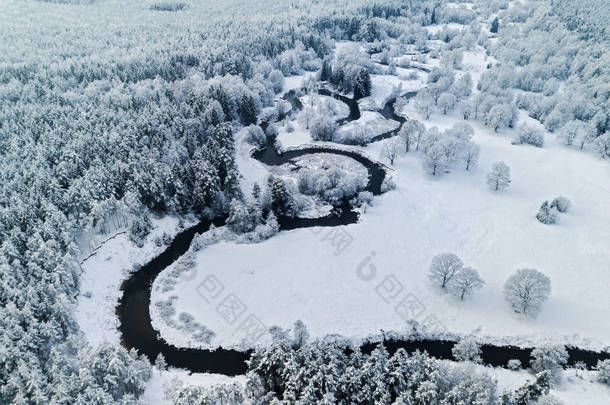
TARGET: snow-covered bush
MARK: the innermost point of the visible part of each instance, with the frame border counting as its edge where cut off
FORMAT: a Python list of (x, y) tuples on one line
[(465, 282), (514, 364), (166, 6), (467, 349), (602, 144), (530, 391), (499, 177), (435, 161), (548, 400), (225, 394), (363, 197), (387, 184), (561, 203), (243, 218), (551, 359), (527, 290), (323, 128), (603, 371), (277, 80), (255, 136), (140, 227), (266, 230), (446, 102), (444, 268), (529, 135), (333, 185), (547, 214)]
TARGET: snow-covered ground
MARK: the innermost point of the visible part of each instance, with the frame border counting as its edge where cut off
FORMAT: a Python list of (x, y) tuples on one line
[(102, 275), (296, 273), (316, 275)]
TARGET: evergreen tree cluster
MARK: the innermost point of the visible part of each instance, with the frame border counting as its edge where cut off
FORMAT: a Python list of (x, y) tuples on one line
[(103, 122)]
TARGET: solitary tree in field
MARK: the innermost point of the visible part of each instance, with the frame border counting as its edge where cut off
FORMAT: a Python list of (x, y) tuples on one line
[(465, 282), (390, 150), (471, 155), (499, 177), (527, 290), (444, 268)]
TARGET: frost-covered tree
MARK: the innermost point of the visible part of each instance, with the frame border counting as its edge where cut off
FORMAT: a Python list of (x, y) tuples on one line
[(141, 226), (569, 132), (300, 334), (526, 291), (462, 87), (500, 116), (239, 219), (547, 214), (446, 102), (424, 103), (549, 358), (323, 128), (225, 394), (530, 392), (602, 144), (470, 155), (467, 349), (408, 137), (529, 135), (444, 268), (390, 150), (465, 282), (499, 177), (603, 371), (411, 133), (281, 196), (255, 135), (276, 77), (435, 160)]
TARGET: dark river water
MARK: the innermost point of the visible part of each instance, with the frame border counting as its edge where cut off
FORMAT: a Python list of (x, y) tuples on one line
[(133, 308)]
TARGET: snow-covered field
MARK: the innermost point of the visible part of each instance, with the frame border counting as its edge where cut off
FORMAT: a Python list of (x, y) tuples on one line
[(102, 275), (318, 275), (297, 273)]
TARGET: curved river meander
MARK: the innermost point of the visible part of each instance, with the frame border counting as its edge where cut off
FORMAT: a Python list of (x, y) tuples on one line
[(133, 309)]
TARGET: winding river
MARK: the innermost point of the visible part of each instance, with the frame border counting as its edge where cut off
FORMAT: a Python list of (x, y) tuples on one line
[(133, 308)]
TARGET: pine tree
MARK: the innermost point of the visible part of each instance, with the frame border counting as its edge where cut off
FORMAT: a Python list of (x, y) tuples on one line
[(247, 110), (326, 72), (493, 28)]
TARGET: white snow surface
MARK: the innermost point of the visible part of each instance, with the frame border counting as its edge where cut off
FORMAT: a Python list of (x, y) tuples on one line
[(103, 273), (296, 274)]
